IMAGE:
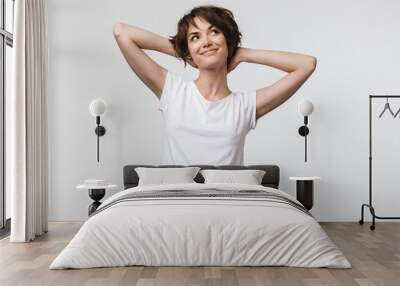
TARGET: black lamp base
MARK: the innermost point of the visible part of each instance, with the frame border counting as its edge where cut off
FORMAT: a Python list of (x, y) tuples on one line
[(303, 130), (100, 130)]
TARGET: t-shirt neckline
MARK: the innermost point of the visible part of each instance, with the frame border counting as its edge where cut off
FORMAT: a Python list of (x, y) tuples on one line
[(205, 99)]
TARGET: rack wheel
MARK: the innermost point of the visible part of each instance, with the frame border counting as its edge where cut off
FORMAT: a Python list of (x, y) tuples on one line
[(361, 222), (372, 227)]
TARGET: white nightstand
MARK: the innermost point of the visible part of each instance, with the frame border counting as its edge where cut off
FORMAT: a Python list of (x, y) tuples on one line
[(96, 193), (305, 190)]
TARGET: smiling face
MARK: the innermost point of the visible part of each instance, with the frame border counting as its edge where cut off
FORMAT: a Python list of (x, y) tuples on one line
[(207, 45)]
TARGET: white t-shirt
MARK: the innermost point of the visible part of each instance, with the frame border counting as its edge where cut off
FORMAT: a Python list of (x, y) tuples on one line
[(199, 131)]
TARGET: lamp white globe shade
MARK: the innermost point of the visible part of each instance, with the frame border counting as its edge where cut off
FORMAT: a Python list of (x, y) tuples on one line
[(305, 107), (97, 107)]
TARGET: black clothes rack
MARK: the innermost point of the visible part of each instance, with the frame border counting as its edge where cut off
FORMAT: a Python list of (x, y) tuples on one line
[(369, 205)]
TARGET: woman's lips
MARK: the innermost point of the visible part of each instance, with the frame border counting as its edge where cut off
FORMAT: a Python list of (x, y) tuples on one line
[(210, 52)]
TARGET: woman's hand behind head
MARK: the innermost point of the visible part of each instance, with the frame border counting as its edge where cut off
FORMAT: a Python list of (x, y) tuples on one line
[(236, 60)]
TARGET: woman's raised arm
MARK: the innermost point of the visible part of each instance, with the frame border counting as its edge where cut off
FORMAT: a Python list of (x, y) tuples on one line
[(298, 66), (131, 40)]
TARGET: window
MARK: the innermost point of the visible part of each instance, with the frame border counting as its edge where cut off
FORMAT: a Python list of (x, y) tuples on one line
[(6, 44)]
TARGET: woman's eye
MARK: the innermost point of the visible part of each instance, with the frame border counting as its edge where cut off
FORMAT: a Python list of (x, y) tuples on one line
[(215, 32)]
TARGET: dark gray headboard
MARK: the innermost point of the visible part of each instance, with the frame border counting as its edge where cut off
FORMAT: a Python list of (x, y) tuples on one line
[(270, 179)]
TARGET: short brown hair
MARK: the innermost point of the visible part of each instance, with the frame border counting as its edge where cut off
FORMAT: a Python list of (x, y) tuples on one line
[(219, 17)]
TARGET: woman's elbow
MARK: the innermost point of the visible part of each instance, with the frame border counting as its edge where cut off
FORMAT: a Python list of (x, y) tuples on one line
[(311, 63), (118, 30)]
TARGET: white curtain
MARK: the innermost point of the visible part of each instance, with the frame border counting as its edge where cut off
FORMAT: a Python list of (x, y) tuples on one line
[(27, 122)]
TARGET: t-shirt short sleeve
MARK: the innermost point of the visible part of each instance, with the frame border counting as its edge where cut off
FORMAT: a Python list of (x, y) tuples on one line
[(250, 108), (253, 97), (172, 85)]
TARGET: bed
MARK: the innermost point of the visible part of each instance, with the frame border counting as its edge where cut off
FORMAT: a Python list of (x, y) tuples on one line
[(201, 224)]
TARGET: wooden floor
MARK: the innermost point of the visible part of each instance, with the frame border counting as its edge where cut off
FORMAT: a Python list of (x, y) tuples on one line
[(374, 255)]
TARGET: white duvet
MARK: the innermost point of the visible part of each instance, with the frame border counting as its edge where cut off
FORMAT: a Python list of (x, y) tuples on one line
[(199, 231)]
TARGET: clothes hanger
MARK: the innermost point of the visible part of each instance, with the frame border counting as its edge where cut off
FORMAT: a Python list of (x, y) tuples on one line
[(387, 107), (398, 111)]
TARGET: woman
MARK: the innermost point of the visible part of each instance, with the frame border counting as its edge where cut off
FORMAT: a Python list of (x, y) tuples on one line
[(205, 122)]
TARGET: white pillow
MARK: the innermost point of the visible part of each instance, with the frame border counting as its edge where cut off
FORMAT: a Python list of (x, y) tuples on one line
[(162, 176), (249, 177)]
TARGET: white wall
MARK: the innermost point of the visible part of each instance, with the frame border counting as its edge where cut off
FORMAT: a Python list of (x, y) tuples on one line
[(356, 43)]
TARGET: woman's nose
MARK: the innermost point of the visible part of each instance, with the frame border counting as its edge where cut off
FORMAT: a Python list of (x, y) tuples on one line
[(207, 41)]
